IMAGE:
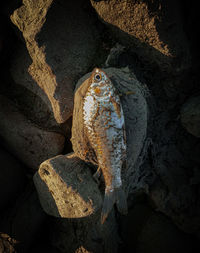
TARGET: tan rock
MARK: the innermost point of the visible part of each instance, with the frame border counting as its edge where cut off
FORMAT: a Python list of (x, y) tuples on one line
[(54, 64), (66, 188), (152, 30), (29, 143)]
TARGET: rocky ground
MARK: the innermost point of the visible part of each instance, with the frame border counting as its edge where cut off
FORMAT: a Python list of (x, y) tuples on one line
[(49, 199)]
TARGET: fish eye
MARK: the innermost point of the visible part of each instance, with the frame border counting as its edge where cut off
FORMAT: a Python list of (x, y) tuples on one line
[(97, 77)]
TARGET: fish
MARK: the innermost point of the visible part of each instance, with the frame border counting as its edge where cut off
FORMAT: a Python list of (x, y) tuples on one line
[(103, 119)]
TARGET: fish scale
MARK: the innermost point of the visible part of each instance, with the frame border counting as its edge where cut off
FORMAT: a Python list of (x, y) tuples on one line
[(104, 122)]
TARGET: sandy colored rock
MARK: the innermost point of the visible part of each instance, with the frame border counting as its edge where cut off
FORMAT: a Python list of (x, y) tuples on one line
[(66, 188), (30, 144), (151, 29), (12, 178), (54, 64), (135, 111), (190, 116)]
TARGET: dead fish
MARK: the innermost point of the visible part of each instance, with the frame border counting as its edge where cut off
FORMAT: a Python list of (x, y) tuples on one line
[(104, 122)]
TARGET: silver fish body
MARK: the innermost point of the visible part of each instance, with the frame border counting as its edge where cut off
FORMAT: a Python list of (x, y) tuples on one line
[(104, 121)]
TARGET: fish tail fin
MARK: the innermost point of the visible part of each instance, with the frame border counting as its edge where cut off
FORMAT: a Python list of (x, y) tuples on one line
[(117, 196)]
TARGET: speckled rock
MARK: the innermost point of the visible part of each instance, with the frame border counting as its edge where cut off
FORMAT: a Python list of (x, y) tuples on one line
[(66, 188), (152, 30), (12, 178), (54, 64), (29, 143), (190, 116)]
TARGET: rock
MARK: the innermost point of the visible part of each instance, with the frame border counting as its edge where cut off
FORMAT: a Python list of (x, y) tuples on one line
[(150, 29), (7, 244), (56, 63), (190, 116), (86, 235), (12, 178), (135, 111), (159, 234), (144, 230), (66, 188), (25, 220), (29, 143)]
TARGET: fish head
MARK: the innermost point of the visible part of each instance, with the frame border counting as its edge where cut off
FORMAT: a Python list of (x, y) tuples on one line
[(100, 84)]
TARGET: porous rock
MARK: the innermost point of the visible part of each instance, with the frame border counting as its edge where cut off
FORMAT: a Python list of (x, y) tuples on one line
[(29, 143), (54, 64), (66, 188), (12, 177), (150, 29), (190, 116), (134, 106)]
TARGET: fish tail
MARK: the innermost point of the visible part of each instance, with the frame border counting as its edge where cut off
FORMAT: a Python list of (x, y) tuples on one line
[(117, 196)]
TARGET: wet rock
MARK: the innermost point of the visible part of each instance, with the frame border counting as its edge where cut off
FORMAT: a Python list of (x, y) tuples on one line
[(24, 221), (190, 116), (133, 99), (151, 29), (66, 188), (56, 63), (12, 178), (29, 143)]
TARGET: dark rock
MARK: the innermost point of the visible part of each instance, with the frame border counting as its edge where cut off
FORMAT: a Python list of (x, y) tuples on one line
[(151, 29), (66, 188), (24, 221), (57, 63), (12, 178), (190, 116), (29, 143)]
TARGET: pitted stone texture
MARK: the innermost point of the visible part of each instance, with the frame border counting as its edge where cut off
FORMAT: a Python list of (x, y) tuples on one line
[(151, 29), (30, 144), (66, 188), (65, 46)]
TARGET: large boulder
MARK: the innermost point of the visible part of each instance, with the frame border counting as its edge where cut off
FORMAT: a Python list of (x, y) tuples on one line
[(190, 116), (66, 188), (29, 143), (12, 178), (50, 67), (151, 29)]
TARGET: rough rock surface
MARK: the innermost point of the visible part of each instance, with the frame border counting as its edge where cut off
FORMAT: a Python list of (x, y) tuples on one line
[(24, 220), (56, 63), (30, 144), (86, 235), (66, 188), (144, 230), (135, 111), (12, 178), (149, 28), (7, 244), (190, 116)]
